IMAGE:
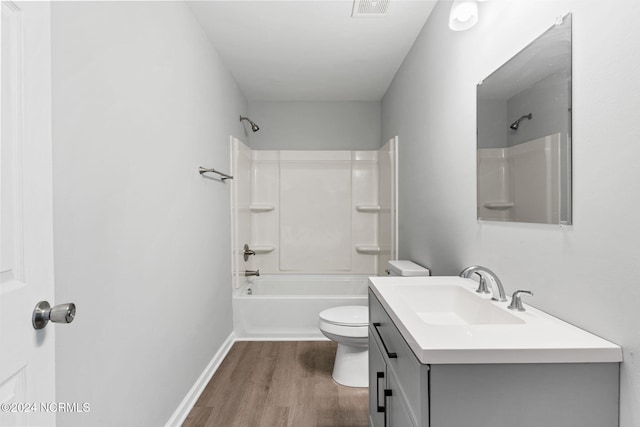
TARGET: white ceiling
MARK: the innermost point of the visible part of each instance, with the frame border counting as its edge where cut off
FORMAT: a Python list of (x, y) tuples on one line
[(548, 54), (305, 50)]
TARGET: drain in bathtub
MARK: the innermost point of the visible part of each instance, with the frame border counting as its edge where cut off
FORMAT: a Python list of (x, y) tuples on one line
[(249, 291)]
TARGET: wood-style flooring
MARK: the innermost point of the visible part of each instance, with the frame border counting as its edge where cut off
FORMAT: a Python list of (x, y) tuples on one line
[(273, 384)]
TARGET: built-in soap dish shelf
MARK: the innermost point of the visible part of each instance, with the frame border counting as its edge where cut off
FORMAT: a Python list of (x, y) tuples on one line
[(262, 249), (261, 208), (368, 249), (368, 208), (499, 206)]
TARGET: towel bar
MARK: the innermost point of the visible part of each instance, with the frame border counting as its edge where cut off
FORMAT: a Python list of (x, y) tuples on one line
[(223, 176)]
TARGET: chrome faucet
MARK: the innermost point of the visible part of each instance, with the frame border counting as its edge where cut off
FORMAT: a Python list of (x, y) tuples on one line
[(485, 274), (252, 273)]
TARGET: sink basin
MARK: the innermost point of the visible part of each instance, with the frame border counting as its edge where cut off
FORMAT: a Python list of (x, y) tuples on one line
[(444, 321), (453, 305)]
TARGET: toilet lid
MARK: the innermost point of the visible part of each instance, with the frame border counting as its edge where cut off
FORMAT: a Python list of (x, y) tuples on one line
[(350, 315)]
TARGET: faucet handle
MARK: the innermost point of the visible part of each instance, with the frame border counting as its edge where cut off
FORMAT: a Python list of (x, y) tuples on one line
[(516, 301), (482, 286), (247, 251)]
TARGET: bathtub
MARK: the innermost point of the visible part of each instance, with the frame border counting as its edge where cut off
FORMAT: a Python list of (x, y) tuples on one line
[(279, 307)]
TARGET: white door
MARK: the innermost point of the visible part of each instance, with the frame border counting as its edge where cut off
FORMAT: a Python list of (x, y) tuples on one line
[(27, 387)]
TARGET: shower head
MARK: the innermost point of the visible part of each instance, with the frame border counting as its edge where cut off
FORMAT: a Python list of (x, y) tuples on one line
[(254, 127), (515, 125)]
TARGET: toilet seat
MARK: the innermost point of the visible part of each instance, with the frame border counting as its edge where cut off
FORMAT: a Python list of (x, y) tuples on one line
[(348, 315), (343, 331)]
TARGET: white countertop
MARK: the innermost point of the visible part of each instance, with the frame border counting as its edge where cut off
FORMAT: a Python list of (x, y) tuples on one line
[(436, 336)]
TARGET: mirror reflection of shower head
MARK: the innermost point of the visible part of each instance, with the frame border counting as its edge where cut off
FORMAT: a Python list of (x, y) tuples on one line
[(254, 127), (515, 125)]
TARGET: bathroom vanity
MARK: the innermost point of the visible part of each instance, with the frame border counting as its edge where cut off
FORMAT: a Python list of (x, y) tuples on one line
[(441, 355)]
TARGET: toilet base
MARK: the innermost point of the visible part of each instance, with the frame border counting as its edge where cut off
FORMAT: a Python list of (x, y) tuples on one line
[(351, 367)]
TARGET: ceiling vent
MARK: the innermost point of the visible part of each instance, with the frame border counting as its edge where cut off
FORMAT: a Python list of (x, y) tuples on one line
[(369, 8)]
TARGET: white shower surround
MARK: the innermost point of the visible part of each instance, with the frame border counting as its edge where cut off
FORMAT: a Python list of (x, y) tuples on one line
[(521, 183), (313, 212)]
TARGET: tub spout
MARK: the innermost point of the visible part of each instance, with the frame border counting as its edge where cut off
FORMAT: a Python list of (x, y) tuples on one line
[(252, 273)]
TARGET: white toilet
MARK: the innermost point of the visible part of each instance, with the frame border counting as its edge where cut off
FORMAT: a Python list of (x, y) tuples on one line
[(349, 327)]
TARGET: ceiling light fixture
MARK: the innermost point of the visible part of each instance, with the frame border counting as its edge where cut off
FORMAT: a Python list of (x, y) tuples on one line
[(463, 15), (369, 8)]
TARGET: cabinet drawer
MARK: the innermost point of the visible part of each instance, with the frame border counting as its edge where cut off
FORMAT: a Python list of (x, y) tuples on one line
[(411, 375)]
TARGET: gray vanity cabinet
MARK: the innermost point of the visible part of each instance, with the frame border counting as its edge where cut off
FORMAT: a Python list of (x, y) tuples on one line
[(496, 395), (398, 383)]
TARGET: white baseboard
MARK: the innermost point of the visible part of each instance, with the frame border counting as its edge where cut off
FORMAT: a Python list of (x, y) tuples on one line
[(283, 338), (192, 396)]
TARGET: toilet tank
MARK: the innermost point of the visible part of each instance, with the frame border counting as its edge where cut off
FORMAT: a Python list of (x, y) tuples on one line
[(407, 269)]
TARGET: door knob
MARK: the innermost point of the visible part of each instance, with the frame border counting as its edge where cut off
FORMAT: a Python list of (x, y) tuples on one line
[(63, 313)]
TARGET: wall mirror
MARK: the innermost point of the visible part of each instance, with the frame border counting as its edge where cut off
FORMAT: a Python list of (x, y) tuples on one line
[(524, 133)]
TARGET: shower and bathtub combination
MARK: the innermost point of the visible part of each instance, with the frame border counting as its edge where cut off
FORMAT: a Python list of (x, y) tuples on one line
[(316, 225)]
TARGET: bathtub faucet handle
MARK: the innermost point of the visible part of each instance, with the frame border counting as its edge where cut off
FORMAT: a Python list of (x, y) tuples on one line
[(247, 252), (252, 273)]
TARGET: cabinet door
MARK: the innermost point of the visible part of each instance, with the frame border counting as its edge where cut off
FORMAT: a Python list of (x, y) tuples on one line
[(398, 414), (377, 384), (405, 366)]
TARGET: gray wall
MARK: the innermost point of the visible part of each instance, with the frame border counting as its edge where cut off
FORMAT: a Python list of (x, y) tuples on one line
[(315, 125), (587, 273), (142, 242)]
